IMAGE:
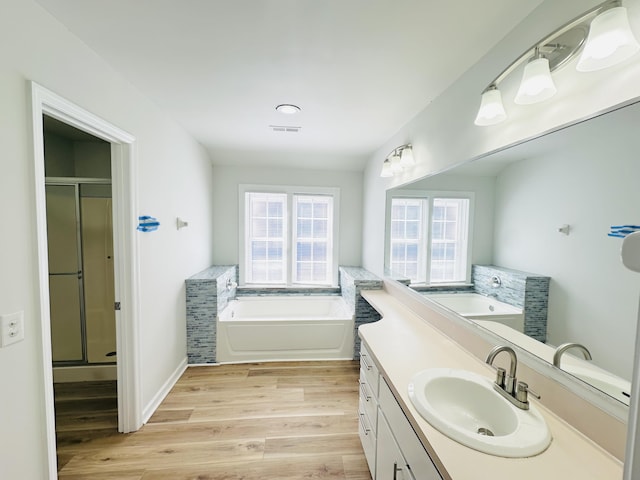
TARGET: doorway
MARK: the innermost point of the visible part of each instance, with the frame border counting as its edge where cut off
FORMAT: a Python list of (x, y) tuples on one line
[(80, 251), (125, 258)]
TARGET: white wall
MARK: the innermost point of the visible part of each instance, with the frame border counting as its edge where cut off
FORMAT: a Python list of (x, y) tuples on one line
[(174, 178), (590, 181), (226, 197), (444, 135)]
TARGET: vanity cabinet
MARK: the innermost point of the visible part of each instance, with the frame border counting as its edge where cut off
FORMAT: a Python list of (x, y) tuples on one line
[(391, 446), (368, 407)]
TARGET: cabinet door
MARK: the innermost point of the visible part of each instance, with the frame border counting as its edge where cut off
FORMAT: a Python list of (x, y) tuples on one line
[(390, 464)]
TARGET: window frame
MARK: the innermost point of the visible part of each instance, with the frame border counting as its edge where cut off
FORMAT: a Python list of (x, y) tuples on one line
[(429, 196), (290, 191)]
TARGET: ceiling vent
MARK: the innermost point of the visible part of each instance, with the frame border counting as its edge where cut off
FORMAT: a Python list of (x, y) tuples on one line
[(285, 128)]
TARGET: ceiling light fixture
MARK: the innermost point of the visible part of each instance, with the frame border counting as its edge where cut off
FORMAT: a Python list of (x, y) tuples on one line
[(288, 108), (603, 31), (400, 158)]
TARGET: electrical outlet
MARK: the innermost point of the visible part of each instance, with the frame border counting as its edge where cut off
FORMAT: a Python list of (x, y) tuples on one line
[(11, 328)]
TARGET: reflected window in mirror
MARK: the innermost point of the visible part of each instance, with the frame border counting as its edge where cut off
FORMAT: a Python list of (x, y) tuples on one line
[(428, 236), (408, 238), (449, 240)]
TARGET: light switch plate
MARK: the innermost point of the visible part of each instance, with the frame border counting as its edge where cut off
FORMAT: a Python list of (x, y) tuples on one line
[(11, 328)]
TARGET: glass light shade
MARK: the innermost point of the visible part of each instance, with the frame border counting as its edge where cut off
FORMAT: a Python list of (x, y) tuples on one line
[(406, 157), (610, 41), (491, 109), (396, 163), (537, 84), (386, 169)]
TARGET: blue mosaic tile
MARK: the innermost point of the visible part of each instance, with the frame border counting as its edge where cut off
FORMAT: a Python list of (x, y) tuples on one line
[(206, 295), (353, 280), (525, 290)]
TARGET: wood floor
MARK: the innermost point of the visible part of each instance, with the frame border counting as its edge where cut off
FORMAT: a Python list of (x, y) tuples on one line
[(284, 421)]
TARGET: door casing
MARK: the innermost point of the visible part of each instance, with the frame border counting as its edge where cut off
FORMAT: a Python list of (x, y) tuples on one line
[(126, 270)]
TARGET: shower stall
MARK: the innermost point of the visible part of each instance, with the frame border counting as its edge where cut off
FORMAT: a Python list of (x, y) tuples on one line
[(81, 275)]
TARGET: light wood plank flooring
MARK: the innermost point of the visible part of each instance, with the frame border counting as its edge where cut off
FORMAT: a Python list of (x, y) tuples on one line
[(284, 421)]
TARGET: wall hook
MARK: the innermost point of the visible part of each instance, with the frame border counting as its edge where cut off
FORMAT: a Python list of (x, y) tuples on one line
[(180, 223), (564, 229)]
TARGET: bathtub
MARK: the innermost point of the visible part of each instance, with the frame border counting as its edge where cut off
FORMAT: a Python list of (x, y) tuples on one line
[(254, 329), (478, 307)]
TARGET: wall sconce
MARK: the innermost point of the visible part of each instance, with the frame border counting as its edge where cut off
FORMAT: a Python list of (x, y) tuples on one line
[(602, 34), (400, 158)]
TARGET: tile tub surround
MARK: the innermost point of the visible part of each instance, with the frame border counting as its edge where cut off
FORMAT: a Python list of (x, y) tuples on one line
[(353, 280), (207, 294), (520, 289)]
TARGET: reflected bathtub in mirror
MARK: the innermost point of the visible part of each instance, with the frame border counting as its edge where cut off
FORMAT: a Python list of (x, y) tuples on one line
[(480, 307)]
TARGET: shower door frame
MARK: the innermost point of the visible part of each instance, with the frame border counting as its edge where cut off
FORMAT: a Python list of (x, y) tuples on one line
[(126, 258), (76, 182)]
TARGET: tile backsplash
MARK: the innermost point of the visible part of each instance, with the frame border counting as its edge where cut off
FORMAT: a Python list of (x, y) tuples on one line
[(521, 289), (352, 281), (207, 294)]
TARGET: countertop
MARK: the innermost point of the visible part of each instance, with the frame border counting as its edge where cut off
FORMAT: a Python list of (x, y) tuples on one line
[(403, 344)]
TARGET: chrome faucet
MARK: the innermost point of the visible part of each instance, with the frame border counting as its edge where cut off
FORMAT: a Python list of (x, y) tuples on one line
[(506, 383), (557, 356)]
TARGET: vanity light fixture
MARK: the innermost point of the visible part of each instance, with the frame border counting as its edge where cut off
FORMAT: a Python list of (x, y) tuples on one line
[(288, 108), (406, 157), (610, 41), (491, 108), (537, 84), (604, 36), (386, 169), (400, 158)]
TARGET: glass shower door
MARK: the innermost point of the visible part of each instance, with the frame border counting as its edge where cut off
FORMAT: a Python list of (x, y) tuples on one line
[(65, 274), (97, 258)]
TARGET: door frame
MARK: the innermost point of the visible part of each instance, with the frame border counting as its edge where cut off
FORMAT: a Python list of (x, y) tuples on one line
[(126, 260)]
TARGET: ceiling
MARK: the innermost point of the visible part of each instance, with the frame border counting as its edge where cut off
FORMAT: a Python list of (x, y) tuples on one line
[(358, 69)]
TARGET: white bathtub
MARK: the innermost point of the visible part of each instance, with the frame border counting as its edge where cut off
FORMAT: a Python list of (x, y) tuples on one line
[(254, 329), (478, 307)]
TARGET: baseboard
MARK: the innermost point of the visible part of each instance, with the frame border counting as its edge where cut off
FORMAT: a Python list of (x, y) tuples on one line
[(157, 399)]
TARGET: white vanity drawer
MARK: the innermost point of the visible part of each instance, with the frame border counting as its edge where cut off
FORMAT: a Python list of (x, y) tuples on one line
[(370, 369), (416, 456), (368, 401), (367, 438)]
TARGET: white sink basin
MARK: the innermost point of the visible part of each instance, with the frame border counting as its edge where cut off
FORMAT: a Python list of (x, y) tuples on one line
[(465, 407)]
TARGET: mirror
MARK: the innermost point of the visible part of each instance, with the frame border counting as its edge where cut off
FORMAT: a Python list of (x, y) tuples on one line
[(546, 206)]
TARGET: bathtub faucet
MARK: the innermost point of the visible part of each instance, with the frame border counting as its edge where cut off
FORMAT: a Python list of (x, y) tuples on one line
[(557, 356), (231, 284)]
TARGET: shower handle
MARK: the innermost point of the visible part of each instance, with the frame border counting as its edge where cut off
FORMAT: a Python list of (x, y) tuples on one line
[(78, 274)]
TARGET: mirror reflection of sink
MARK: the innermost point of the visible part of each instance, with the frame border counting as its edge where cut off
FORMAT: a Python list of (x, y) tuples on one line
[(465, 407), (612, 385)]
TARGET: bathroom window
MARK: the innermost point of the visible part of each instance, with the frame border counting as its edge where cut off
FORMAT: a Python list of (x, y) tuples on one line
[(288, 235), (313, 238), (428, 237), (267, 233)]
